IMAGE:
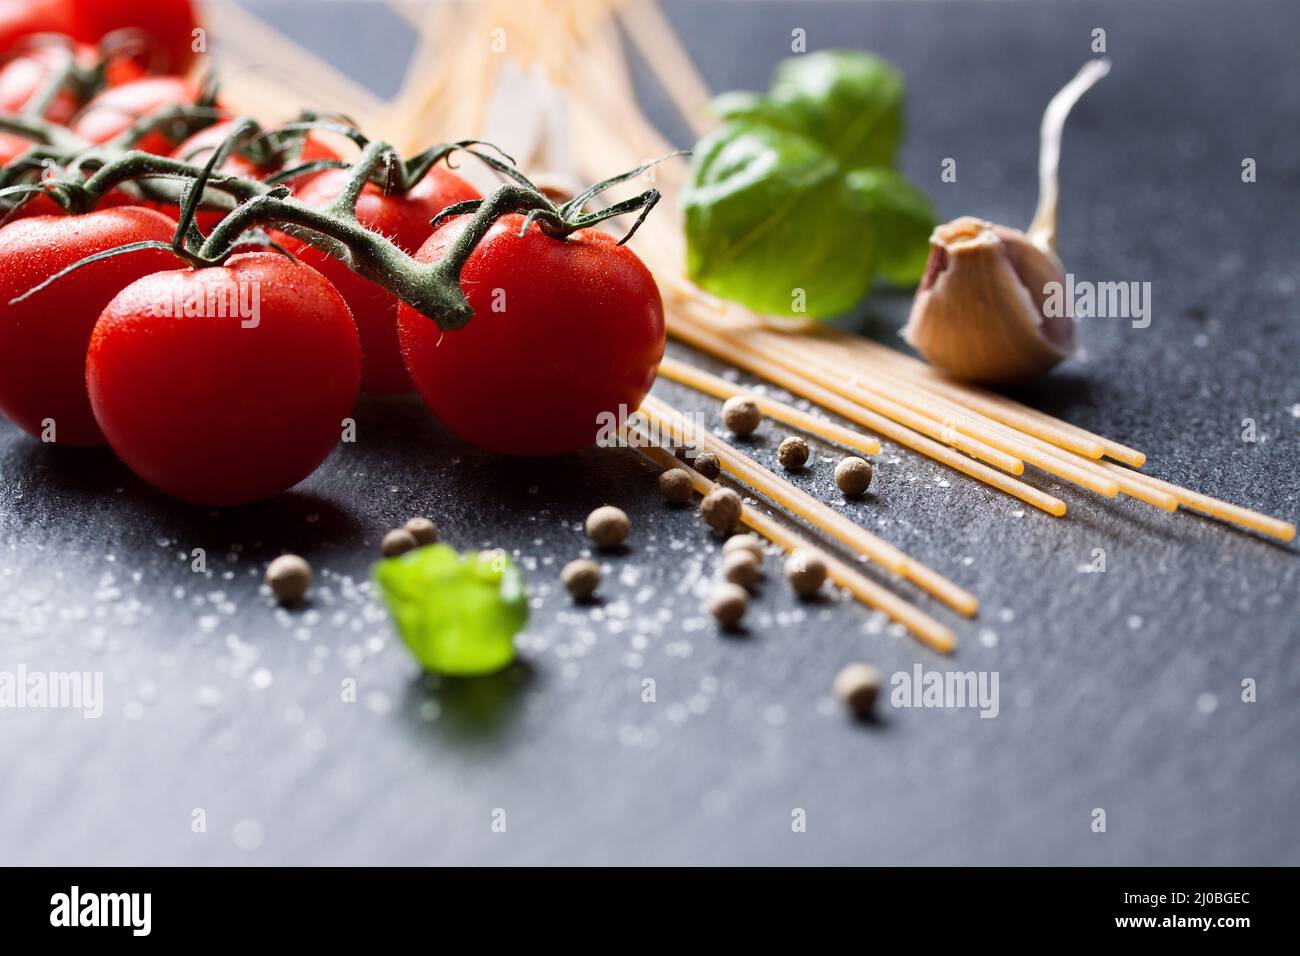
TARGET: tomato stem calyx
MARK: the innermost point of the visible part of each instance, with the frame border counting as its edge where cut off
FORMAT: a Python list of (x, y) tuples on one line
[(563, 219)]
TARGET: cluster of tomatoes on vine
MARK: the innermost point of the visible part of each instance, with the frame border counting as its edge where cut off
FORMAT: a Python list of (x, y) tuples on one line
[(208, 297)]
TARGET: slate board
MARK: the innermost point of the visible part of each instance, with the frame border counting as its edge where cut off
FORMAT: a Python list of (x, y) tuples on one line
[(1118, 690)]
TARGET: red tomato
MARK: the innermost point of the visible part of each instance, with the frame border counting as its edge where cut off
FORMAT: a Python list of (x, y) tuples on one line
[(117, 107), (168, 26), (238, 397), (313, 149), (24, 76), (24, 18), (44, 206), (563, 331), (11, 147), (404, 220), (43, 339)]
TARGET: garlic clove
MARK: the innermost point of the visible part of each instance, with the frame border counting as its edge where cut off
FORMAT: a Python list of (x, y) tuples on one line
[(979, 312)]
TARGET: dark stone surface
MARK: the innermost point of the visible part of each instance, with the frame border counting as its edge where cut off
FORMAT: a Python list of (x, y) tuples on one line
[(1118, 690)]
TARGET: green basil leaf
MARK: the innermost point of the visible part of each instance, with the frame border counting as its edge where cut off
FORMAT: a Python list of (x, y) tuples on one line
[(793, 204), (740, 105), (903, 219), (850, 103), (772, 223), (458, 614)]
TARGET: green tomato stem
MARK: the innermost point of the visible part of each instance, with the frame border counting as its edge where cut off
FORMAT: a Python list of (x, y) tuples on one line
[(67, 75), (40, 131), (433, 289), (373, 156)]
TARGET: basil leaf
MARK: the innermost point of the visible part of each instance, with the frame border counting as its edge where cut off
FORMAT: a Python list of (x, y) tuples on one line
[(770, 213), (740, 107), (903, 218), (793, 204), (850, 103), (457, 613)]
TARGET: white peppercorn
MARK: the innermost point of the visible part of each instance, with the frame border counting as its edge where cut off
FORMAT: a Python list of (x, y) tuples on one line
[(744, 542), (397, 542), (607, 526), (792, 453), (858, 686), (721, 509), (581, 578), (288, 577), (422, 530), (853, 475), (675, 485), (806, 572), (707, 464), (741, 415), (727, 604), (742, 567)]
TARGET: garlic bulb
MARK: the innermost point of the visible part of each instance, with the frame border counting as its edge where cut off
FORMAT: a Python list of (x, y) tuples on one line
[(979, 311)]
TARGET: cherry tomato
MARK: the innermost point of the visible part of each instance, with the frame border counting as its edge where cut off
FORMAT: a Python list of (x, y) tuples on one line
[(313, 148), (44, 206), (563, 331), (25, 75), (168, 27), (237, 398), (43, 339), (113, 110), (403, 219), (11, 147), (24, 18)]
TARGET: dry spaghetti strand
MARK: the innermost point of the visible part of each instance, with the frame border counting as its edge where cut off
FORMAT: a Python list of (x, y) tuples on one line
[(1195, 501), (1003, 409), (800, 503), (720, 347), (946, 415), (702, 381), (924, 628)]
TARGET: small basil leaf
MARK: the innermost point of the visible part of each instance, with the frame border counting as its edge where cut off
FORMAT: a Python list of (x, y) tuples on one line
[(851, 103), (903, 219), (772, 223), (738, 105), (458, 614), (741, 106)]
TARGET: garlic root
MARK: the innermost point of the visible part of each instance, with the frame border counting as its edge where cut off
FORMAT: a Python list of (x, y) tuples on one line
[(1042, 229)]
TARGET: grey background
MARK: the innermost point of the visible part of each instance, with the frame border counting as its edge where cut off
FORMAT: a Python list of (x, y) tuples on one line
[(1118, 690)]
